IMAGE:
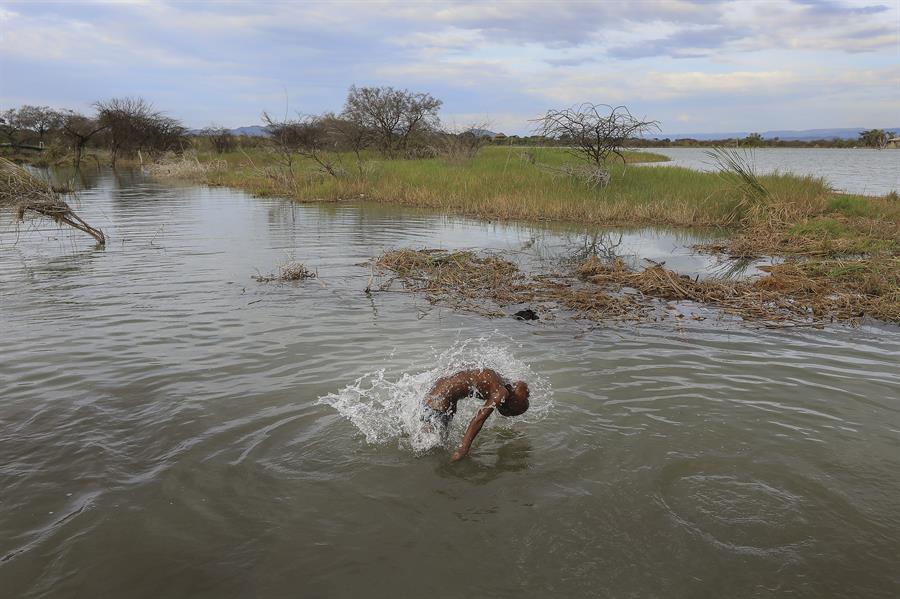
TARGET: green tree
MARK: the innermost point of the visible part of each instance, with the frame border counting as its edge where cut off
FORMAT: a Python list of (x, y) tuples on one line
[(875, 138), (754, 140)]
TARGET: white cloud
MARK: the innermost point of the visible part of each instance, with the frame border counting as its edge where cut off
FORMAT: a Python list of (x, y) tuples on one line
[(498, 59)]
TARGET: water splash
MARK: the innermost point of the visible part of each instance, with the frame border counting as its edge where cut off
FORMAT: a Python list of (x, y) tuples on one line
[(385, 409)]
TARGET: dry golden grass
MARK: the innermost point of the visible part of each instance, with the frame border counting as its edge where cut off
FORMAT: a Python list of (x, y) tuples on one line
[(813, 291), (186, 166), (796, 292), (466, 281)]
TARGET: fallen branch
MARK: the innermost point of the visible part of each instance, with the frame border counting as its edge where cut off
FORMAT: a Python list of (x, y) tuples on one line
[(22, 193)]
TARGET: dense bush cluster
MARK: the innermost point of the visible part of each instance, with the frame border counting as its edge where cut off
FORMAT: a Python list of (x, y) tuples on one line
[(128, 127)]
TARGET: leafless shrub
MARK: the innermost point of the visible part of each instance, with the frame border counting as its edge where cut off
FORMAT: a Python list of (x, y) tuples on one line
[(593, 131), (459, 147), (132, 125), (593, 176), (347, 136), (221, 138), (305, 136), (398, 120), (79, 130)]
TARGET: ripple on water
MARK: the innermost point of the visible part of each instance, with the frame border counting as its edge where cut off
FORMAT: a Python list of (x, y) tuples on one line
[(751, 507)]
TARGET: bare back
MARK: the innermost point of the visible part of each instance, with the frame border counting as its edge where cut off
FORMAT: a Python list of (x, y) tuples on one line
[(482, 383)]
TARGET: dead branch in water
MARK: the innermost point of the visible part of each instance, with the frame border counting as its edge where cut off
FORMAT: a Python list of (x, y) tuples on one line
[(22, 193)]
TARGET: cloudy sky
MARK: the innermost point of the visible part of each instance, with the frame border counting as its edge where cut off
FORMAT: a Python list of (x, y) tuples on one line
[(704, 66)]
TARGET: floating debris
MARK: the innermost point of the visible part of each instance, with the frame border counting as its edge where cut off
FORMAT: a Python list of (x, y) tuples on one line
[(290, 271), (485, 284)]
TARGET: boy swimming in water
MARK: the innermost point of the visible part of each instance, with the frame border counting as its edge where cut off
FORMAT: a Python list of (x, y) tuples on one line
[(439, 404)]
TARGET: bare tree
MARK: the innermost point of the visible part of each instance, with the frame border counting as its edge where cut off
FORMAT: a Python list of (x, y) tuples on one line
[(347, 136), (593, 131), (221, 138), (305, 136), (134, 125), (395, 117), (462, 145), (162, 134), (79, 129), (124, 119)]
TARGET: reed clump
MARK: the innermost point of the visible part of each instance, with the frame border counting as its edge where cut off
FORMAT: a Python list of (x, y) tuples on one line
[(185, 166), (22, 193)]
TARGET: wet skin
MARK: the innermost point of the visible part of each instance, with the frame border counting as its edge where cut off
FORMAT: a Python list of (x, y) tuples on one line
[(483, 384)]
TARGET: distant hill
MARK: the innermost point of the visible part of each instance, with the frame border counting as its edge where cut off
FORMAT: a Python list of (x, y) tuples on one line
[(252, 131), (788, 135), (483, 133)]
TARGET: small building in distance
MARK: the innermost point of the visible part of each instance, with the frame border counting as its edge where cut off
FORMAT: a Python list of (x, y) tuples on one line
[(893, 142), (499, 137)]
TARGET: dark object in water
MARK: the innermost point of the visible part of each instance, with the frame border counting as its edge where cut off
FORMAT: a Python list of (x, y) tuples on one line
[(526, 314)]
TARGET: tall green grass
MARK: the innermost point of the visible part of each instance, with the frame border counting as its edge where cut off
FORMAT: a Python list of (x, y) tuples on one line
[(520, 183)]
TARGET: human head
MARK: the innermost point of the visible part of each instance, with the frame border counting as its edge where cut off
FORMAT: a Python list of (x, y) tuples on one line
[(516, 401)]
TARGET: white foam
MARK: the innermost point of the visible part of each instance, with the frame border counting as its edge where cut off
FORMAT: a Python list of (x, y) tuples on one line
[(386, 407)]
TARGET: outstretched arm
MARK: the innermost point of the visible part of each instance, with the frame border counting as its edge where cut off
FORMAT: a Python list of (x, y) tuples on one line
[(477, 422)]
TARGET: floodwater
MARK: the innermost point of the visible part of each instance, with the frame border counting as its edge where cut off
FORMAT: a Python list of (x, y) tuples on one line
[(171, 428), (860, 170)]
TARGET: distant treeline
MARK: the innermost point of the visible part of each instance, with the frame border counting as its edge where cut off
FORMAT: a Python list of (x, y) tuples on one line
[(395, 123), (872, 138), (126, 127)]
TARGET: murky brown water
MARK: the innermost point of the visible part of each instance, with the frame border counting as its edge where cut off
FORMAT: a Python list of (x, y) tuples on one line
[(162, 432)]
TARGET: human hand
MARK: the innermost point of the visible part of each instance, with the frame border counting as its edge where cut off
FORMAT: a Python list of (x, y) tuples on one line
[(457, 456)]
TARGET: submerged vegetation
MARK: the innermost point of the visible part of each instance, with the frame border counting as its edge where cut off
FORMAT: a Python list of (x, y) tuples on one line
[(791, 293)]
